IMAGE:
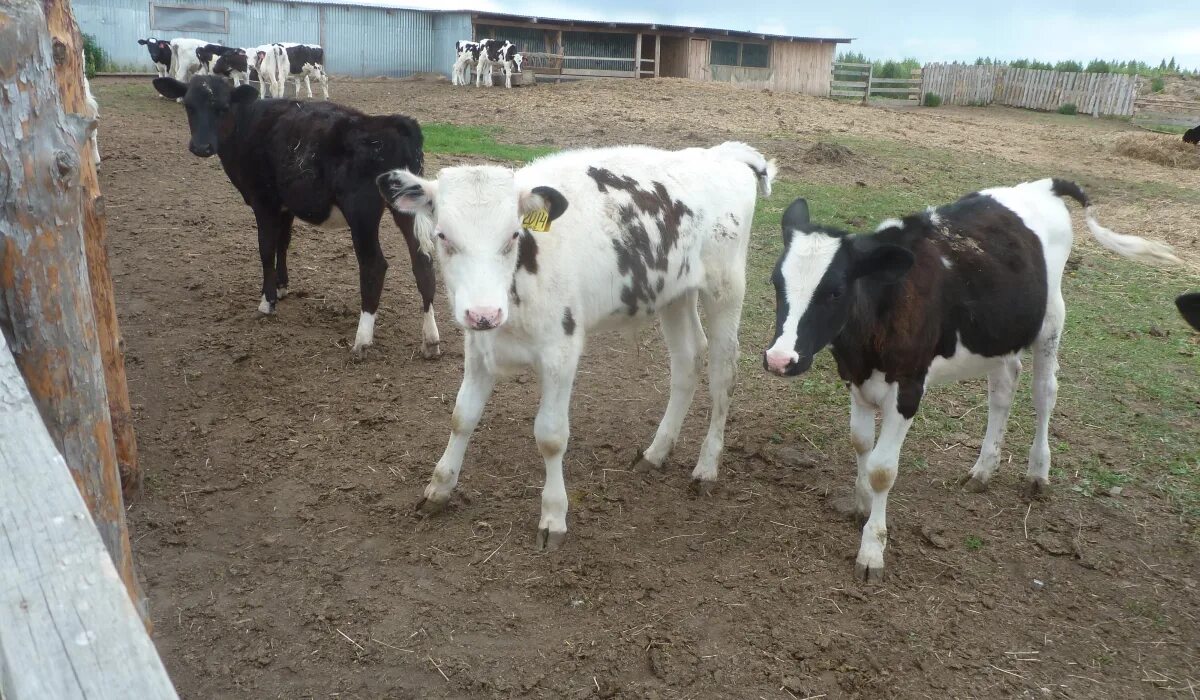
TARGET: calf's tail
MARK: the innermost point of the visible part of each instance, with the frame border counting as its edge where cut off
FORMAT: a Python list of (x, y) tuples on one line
[(1133, 247), (764, 170)]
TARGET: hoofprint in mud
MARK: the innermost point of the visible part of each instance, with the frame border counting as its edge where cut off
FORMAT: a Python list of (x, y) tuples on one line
[(634, 233), (948, 294)]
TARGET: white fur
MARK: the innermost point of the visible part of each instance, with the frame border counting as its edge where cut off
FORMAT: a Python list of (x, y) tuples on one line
[(479, 208), (366, 331), (184, 61), (273, 70), (264, 306), (91, 111), (805, 262), (460, 72)]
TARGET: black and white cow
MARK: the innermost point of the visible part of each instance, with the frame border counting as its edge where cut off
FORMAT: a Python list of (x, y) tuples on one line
[(466, 54), (1189, 307), (497, 53), (1192, 136), (185, 61), (316, 161), (271, 63), (233, 65), (160, 54), (634, 233), (307, 61), (208, 54), (954, 292)]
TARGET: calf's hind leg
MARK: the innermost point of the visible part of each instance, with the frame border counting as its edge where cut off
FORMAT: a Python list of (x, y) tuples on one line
[(685, 341), (1045, 393), (281, 252), (1002, 384), (422, 268), (723, 309)]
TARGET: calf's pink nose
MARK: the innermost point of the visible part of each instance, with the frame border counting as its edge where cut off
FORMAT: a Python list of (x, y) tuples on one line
[(482, 317), (778, 360)]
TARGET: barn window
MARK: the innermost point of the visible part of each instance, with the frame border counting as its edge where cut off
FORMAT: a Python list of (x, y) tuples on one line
[(189, 18), (736, 53)]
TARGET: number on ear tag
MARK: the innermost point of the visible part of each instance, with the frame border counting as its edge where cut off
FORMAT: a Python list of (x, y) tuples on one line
[(538, 220)]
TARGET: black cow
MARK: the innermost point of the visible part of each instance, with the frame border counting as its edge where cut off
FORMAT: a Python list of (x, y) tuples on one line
[(1192, 136), (1189, 307), (954, 292), (318, 162), (160, 54)]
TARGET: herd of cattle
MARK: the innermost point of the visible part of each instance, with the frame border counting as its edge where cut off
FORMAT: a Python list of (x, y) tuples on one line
[(483, 55), (536, 259), (270, 65)]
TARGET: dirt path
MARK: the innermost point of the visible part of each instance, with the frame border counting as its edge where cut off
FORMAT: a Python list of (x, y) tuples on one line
[(283, 559)]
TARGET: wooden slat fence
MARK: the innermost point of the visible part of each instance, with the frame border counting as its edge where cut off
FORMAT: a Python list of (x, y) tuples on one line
[(1160, 111), (859, 80), (1098, 94)]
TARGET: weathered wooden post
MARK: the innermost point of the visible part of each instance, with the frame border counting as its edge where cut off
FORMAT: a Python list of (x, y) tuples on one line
[(67, 45), (46, 306)]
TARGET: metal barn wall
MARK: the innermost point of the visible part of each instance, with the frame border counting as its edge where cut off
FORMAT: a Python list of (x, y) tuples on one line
[(359, 41)]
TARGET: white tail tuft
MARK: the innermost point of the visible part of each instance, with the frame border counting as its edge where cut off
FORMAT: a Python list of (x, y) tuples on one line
[(764, 170), (1130, 246)]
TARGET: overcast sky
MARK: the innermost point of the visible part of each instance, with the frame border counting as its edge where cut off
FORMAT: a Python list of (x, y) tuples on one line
[(937, 30)]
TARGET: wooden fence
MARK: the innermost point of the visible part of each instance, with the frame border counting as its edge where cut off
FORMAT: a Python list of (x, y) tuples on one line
[(858, 80), (1098, 94), (1161, 111)]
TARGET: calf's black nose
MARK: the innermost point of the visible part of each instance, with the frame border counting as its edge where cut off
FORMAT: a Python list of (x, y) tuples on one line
[(203, 151)]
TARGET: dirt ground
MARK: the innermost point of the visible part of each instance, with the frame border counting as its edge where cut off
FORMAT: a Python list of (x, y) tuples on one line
[(283, 559)]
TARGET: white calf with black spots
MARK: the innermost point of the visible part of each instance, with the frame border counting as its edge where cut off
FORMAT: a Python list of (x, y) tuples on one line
[(634, 233)]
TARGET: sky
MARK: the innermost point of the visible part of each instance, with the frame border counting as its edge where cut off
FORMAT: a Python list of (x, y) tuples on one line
[(939, 30)]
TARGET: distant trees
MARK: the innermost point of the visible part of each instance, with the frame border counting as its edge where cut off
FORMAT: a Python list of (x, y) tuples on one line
[(901, 68)]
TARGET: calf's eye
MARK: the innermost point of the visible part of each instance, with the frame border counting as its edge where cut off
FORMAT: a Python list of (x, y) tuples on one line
[(516, 234)]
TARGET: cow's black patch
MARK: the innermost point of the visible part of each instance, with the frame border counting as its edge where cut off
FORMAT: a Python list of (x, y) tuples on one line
[(637, 257), (568, 321), (527, 249)]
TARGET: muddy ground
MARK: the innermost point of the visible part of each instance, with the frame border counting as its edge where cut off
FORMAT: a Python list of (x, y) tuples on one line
[(277, 538)]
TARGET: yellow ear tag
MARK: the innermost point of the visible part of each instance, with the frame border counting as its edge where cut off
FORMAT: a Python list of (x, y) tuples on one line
[(538, 220)]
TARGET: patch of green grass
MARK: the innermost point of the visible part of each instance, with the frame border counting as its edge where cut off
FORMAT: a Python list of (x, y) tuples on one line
[(1068, 109), (452, 139), (974, 543)]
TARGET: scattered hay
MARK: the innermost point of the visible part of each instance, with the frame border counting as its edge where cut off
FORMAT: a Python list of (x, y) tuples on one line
[(828, 153), (1163, 149)]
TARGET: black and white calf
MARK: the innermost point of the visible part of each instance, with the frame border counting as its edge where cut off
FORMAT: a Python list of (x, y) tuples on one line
[(316, 161), (954, 292), (160, 54), (1192, 136), (497, 53), (233, 65), (635, 233), (271, 63), (307, 61), (185, 59), (208, 55), (466, 54)]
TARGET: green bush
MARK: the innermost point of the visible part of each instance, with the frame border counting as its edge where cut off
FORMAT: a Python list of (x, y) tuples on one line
[(1068, 108), (932, 100), (1157, 85), (95, 58)]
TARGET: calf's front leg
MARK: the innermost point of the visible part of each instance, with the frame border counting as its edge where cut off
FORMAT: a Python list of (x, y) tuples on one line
[(272, 224), (899, 407), (363, 215), (552, 429), (473, 395)]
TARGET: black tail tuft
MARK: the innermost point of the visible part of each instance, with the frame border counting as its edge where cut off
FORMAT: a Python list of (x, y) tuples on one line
[(1066, 188)]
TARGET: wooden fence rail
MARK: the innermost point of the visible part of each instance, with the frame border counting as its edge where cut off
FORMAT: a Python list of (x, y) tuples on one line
[(1158, 111), (1098, 94), (68, 628), (859, 80)]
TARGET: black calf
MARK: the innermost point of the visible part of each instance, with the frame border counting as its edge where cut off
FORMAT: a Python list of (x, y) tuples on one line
[(1192, 136), (315, 161)]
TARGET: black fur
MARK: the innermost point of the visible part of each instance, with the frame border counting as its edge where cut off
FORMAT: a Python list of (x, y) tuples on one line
[(300, 159), (1189, 307), (1192, 136)]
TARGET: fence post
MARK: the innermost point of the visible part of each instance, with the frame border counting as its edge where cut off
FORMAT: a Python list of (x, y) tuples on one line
[(46, 304), (867, 92)]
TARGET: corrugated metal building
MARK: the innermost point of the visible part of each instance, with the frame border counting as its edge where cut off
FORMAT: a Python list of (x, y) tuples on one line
[(371, 40)]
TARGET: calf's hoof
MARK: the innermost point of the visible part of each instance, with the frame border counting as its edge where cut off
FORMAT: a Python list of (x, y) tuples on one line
[(642, 465), (1036, 490), (281, 292), (431, 351), (702, 487), (265, 307), (430, 505), (868, 573), (972, 484), (548, 541)]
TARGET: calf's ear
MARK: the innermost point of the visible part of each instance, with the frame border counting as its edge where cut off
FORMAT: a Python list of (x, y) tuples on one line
[(795, 218), (407, 193), (170, 88), (143, 42), (882, 261), (543, 197), (243, 94)]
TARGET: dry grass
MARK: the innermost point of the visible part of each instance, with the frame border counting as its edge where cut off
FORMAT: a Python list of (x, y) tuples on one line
[(1159, 148)]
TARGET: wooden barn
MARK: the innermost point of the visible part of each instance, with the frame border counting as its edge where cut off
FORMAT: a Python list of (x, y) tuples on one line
[(571, 49)]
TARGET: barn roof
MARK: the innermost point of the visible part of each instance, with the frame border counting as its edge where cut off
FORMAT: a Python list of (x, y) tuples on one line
[(582, 23)]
